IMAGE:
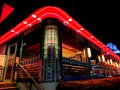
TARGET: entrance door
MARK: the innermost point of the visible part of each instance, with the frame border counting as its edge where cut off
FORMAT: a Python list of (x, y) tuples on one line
[(11, 59)]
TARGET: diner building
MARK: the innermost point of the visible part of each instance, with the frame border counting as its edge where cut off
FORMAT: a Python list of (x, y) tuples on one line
[(48, 47)]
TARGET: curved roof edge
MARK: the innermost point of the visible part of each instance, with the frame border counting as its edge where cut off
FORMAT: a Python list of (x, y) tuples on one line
[(61, 15)]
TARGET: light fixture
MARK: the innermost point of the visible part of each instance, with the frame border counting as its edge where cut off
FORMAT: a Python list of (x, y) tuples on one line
[(39, 19), (82, 29), (65, 22), (17, 33), (25, 22), (78, 30), (99, 59), (34, 16), (70, 19), (108, 62), (103, 58), (92, 36), (12, 30), (116, 64), (89, 52), (30, 25), (111, 61)]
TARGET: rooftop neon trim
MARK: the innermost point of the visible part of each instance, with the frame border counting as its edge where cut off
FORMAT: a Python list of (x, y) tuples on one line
[(61, 15)]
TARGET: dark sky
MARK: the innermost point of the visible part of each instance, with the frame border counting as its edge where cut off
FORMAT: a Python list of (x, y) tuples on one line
[(100, 17)]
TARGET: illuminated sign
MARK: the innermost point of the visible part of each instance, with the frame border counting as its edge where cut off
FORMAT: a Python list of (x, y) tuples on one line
[(113, 47)]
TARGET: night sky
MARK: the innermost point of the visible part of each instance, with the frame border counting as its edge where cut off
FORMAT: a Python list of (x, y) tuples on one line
[(101, 18)]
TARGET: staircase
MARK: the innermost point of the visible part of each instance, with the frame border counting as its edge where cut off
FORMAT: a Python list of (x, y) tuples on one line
[(7, 85), (29, 73), (32, 67)]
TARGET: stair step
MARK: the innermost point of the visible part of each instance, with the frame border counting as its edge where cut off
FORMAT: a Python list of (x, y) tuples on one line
[(9, 88), (7, 85)]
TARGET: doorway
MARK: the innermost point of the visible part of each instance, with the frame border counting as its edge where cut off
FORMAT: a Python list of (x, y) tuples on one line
[(11, 62)]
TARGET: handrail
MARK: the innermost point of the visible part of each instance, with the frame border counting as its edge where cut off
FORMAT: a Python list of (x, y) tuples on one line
[(29, 76)]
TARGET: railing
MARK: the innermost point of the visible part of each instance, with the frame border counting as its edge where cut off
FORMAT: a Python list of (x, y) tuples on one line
[(30, 61), (96, 71), (36, 84), (74, 62)]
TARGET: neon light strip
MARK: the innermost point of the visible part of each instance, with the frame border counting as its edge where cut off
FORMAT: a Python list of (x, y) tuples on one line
[(61, 15)]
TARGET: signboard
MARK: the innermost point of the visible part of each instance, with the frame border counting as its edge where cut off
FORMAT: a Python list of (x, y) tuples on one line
[(113, 47)]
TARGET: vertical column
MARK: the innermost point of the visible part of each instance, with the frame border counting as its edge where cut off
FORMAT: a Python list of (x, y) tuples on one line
[(51, 62)]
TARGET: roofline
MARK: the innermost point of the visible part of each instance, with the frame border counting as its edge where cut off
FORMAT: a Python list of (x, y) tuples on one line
[(61, 15)]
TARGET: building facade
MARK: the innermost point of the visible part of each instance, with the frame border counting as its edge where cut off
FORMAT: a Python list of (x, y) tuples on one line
[(50, 46)]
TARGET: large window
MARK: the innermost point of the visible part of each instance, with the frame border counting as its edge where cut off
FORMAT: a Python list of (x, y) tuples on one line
[(96, 61), (73, 46), (31, 43), (74, 61), (94, 55)]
